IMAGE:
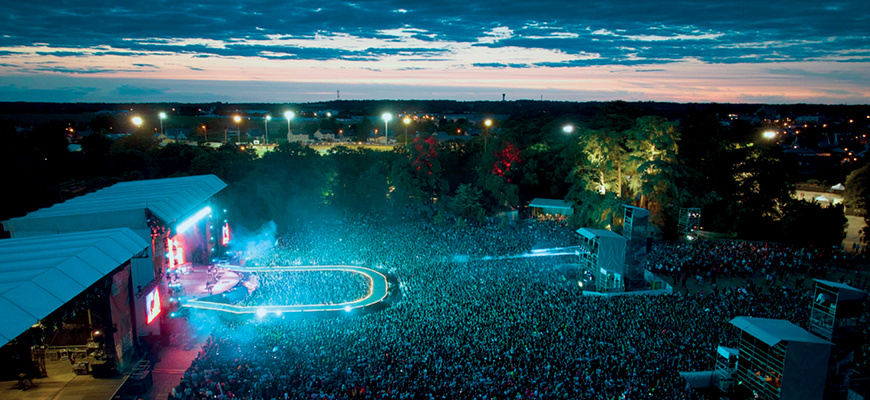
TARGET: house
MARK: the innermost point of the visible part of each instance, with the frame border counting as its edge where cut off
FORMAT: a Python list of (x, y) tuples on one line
[(302, 137), (176, 133), (324, 136)]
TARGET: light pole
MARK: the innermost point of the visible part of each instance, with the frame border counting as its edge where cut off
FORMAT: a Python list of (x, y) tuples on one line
[(268, 118), (162, 117), (238, 120), (289, 116), (205, 132), (568, 129), (486, 125), (407, 121), (387, 117)]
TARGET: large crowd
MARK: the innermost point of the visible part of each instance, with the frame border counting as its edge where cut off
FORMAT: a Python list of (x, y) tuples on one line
[(707, 261), (307, 287), (473, 323)]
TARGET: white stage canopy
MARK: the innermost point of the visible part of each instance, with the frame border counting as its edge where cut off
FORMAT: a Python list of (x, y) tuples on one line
[(120, 205), (40, 274), (773, 331)]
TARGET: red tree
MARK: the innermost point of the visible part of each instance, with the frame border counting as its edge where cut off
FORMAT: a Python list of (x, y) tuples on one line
[(505, 159)]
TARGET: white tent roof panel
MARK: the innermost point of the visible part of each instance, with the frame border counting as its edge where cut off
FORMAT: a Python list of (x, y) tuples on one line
[(15, 320), (773, 331), (59, 284), (44, 302), (39, 274), (550, 203), (120, 205), (591, 233)]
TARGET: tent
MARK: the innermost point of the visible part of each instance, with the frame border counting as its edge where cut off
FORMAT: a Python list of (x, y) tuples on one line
[(40, 274)]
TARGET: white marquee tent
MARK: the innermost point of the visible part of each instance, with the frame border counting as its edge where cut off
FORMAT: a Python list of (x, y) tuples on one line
[(120, 205), (40, 274)]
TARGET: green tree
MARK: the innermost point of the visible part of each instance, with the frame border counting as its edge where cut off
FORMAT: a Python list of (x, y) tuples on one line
[(286, 185), (466, 203), (654, 166), (175, 158), (358, 180), (417, 176), (857, 190), (363, 130), (809, 224), (764, 182), (228, 162)]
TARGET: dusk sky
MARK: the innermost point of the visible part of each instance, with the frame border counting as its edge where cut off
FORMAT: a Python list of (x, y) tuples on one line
[(293, 51)]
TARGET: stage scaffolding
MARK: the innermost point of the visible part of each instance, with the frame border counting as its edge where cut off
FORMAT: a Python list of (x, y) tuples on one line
[(836, 312), (690, 221), (635, 229), (603, 254), (780, 360)]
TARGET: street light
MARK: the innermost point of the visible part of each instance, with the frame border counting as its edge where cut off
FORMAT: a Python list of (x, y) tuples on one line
[(568, 129), (769, 134), (137, 120), (486, 125), (407, 121), (238, 120), (289, 116), (268, 118), (162, 117), (387, 117), (205, 132)]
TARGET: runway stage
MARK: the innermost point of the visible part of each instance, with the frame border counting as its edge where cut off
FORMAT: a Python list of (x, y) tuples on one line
[(378, 288)]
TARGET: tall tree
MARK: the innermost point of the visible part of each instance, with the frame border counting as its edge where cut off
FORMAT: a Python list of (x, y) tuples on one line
[(500, 179), (653, 154), (809, 224), (417, 176), (467, 203), (857, 193)]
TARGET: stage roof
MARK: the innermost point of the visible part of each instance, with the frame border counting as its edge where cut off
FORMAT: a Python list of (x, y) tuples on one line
[(550, 203), (773, 331), (120, 205), (40, 274), (591, 233), (844, 291)]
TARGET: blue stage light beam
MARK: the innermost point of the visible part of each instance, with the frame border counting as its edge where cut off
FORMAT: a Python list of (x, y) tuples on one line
[(186, 224)]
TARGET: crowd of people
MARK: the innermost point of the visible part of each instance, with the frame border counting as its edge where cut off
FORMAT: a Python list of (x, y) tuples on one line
[(307, 287), (707, 261), (478, 320)]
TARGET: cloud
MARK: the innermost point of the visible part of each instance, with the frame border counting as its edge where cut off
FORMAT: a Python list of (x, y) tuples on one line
[(137, 91), (61, 53), (448, 39)]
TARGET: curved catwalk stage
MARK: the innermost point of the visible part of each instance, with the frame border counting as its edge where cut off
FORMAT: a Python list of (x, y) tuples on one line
[(378, 288)]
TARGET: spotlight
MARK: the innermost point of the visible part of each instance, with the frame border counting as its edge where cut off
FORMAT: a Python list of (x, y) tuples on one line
[(347, 308), (261, 312)]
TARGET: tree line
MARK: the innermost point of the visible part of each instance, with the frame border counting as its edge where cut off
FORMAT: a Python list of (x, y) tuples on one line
[(619, 155)]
